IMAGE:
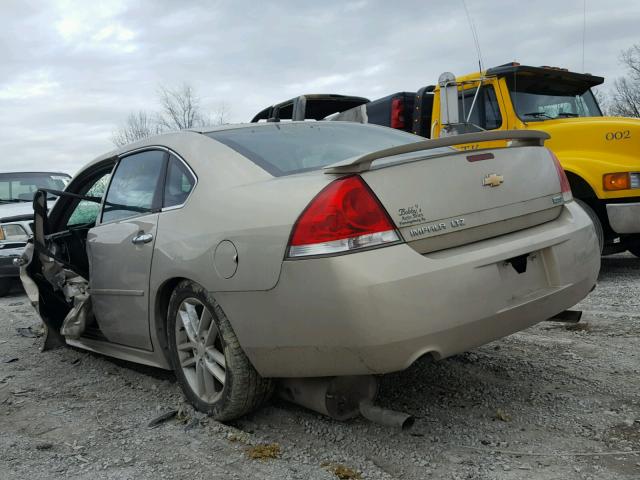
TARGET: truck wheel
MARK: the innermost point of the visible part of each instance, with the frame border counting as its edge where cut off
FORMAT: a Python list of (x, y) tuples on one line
[(213, 371), (5, 286), (596, 222)]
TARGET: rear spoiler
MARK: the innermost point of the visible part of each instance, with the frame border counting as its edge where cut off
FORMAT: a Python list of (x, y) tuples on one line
[(362, 163)]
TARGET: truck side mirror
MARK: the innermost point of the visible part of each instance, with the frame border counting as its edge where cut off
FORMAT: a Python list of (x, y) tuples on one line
[(448, 99)]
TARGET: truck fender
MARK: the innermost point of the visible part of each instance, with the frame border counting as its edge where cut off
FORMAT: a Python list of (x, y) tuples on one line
[(580, 187)]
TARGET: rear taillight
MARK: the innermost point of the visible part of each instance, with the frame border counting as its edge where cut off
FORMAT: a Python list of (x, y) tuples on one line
[(397, 113), (565, 188), (344, 216)]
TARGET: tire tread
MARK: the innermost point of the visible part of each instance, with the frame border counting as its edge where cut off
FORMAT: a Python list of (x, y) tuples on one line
[(596, 222), (246, 390)]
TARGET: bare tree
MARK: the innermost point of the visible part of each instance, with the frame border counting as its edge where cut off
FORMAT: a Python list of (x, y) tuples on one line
[(180, 108), (631, 58), (625, 100), (138, 125), (221, 115), (601, 98)]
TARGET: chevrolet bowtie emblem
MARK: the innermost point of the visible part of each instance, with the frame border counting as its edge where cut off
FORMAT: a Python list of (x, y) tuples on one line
[(492, 180)]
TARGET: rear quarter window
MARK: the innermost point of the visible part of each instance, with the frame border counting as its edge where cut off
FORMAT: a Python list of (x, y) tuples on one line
[(179, 183)]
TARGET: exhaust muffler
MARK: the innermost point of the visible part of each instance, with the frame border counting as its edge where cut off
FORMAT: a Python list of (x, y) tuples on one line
[(342, 398)]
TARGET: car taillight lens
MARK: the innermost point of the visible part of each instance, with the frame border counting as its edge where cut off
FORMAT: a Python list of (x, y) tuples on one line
[(344, 216), (565, 188), (397, 113)]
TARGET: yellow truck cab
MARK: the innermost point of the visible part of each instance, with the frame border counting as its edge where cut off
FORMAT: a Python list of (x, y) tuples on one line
[(601, 155)]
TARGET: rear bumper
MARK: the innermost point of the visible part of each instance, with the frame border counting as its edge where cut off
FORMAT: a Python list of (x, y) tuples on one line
[(624, 217), (7, 268), (380, 310)]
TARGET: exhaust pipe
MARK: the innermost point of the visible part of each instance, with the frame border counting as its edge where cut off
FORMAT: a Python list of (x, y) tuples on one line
[(342, 398), (567, 316), (384, 416)]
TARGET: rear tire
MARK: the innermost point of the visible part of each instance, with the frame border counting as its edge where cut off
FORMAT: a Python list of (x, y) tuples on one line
[(213, 371), (596, 223), (5, 286)]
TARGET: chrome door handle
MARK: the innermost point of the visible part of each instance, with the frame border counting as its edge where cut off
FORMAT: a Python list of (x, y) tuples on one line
[(142, 238)]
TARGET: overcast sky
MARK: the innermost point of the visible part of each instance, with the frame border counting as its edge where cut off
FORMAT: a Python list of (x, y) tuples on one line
[(70, 72)]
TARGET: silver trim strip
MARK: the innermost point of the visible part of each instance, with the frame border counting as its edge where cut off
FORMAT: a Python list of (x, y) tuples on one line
[(116, 291)]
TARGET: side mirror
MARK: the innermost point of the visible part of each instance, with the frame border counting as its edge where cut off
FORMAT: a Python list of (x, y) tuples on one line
[(448, 99)]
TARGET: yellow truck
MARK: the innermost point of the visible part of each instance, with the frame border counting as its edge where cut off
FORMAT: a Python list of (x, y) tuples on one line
[(601, 155)]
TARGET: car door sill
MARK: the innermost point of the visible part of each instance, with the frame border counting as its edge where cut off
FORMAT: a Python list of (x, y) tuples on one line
[(130, 354)]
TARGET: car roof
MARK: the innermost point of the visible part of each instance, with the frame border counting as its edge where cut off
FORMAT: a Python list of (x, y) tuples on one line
[(180, 138), (236, 126), (159, 139)]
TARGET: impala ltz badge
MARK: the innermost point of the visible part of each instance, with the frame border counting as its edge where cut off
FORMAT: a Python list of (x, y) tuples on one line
[(492, 180)]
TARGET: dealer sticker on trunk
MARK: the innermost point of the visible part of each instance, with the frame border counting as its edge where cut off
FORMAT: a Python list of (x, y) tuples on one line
[(410, 215)]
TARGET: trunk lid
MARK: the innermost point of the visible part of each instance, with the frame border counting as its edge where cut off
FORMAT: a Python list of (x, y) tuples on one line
[(449, 198)]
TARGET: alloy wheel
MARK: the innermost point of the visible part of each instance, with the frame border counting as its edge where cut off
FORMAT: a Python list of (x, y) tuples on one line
[(200, 350)]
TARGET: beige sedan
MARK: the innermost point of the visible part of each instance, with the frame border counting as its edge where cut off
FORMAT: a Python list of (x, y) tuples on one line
[(312, 249)]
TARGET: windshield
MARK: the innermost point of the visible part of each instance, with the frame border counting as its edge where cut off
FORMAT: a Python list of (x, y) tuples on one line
[(20, 187), (284, 149), (540, 99)]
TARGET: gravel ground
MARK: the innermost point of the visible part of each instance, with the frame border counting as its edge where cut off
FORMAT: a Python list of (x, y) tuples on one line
[(553, 402)]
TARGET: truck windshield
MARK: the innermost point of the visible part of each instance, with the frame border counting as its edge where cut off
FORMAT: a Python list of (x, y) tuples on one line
[(21, 186), (536, 99)]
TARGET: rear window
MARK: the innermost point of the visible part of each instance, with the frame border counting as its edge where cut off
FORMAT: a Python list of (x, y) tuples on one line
[(285, 149)]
